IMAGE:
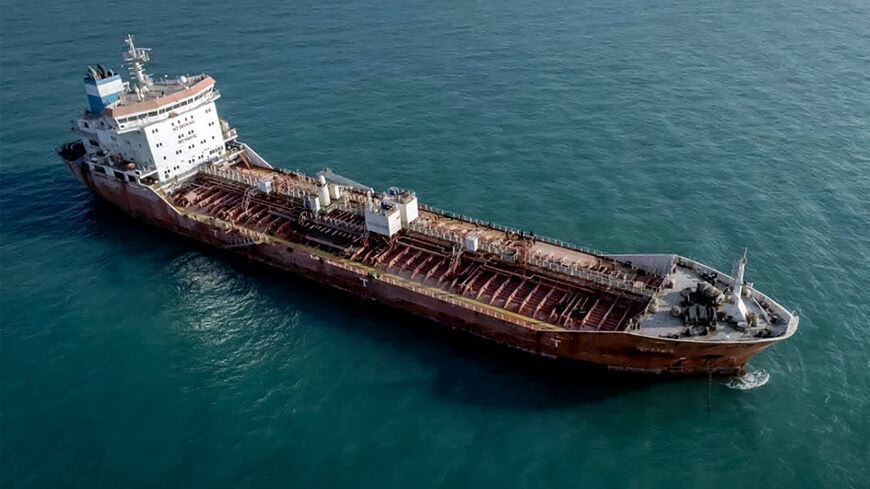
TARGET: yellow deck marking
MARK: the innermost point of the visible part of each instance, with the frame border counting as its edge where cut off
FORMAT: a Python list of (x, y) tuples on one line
[(438, 293)]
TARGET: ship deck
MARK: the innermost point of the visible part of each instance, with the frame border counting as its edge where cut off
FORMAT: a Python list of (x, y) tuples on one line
[(536, 248), (661, 323), (521, 287)]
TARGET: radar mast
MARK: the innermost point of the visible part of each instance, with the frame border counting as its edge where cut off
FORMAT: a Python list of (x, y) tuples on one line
[(136, 58)]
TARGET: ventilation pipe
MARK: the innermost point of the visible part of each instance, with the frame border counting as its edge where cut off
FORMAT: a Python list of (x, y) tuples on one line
[(334, 191), (323, 191)]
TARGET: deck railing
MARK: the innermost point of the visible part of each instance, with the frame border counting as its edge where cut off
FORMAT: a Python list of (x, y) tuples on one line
[(594, 277), (443, 296), (230, 174), (248, 180), (510, 255), (251, 237), (254, 237), (479, 222), (427, 230)]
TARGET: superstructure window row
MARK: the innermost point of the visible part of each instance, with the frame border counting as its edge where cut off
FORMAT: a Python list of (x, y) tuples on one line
[(164, 110)]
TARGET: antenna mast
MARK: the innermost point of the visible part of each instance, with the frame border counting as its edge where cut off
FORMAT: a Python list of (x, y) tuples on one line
[(135, 58), (739, 266)]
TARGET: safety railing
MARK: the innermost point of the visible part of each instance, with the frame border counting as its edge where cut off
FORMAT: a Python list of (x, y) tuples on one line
[(335, 223), (231, 175), (421, 228), (465, 304), (507, 254), (346, 204), (250, 180), (436, 294), (600, 279), (249, 236), (292, 192), (297, 174), (506, 229)]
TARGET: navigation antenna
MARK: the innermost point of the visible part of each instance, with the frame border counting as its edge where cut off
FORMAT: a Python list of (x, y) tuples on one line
[(135, 57), (737, 273)]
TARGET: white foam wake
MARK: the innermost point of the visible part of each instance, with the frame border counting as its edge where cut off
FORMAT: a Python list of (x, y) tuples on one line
[(752, 380)]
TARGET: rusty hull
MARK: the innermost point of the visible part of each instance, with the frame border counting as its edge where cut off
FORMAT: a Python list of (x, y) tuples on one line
[(614, 349)]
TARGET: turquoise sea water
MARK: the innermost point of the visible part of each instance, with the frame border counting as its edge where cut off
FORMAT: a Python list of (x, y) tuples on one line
[(133, 358)]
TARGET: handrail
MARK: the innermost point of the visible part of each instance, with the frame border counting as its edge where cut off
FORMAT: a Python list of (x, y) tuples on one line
[(493, 225), (251, 237), (644, 290), (507, 254), (429, 231), (232, 175), (258, 237), (510, 255), (249, 180), (452, 299)]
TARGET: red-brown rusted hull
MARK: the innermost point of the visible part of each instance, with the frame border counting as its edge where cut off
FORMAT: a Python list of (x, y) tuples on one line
[(614, 349)]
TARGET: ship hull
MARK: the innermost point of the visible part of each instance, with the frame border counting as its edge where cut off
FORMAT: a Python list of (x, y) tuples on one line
[(612, 349)]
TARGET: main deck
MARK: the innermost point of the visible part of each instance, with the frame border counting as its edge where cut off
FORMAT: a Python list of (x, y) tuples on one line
[(519, 273)]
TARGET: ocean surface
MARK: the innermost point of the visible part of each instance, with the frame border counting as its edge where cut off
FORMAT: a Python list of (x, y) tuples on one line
[(130, 357)]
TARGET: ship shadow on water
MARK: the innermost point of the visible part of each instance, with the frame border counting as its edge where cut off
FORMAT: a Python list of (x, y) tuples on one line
[(467, 369)]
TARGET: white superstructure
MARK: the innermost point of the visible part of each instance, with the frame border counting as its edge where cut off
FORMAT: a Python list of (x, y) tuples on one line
[(393, 212), (151, 129)]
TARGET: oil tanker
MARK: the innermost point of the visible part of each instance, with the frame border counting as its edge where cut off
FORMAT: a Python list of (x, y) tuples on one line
[(157, 150)]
